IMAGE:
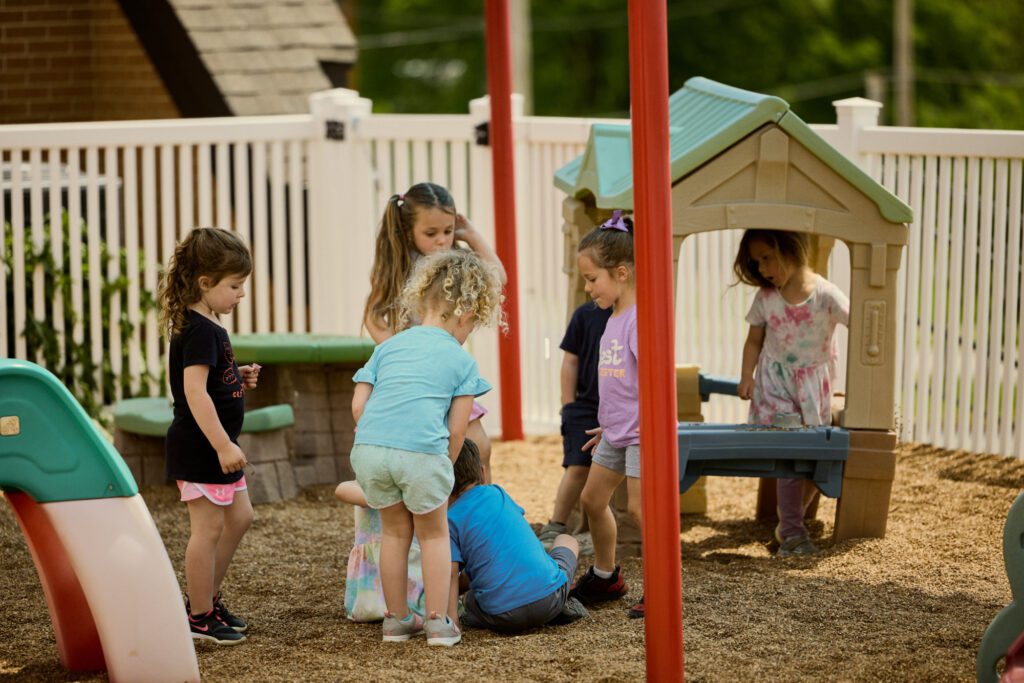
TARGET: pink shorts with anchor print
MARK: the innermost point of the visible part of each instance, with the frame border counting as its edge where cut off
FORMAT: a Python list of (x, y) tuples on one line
[(218, 494)]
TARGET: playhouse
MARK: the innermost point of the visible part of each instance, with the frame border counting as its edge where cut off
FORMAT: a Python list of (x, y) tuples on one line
[(740, 160)]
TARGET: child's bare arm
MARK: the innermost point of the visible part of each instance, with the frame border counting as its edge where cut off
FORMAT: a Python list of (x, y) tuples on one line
[(352, 493), (465, 231), (569, 375), (199, 402), (751, 352), (458, 422), (360, 395), (378, 332)]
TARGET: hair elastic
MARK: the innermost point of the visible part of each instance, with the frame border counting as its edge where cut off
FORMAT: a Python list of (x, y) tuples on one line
[(616, 222)]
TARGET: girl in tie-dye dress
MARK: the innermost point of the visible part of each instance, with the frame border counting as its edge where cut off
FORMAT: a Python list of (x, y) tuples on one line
[(791, 346), (364, 596)]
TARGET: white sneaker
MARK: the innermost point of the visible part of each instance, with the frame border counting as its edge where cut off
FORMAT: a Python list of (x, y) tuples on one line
[(442, 631)]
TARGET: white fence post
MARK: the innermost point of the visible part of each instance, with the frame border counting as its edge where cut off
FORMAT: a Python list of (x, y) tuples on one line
[(340, 219), (853, 114)]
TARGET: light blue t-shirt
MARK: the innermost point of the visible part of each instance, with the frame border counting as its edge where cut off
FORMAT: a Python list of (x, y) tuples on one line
[(415, 374), (506, 563)]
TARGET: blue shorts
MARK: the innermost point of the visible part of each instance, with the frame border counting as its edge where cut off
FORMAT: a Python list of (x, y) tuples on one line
[(575, 423)]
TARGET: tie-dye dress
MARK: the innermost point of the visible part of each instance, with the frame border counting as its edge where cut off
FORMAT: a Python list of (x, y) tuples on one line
[(797, 364), (364, 596)]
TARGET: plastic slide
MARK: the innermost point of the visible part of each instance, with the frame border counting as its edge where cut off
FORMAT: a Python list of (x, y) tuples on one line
[(112, 594)]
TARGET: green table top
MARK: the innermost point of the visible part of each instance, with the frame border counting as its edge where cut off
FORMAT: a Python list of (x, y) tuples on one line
[(301, 348)]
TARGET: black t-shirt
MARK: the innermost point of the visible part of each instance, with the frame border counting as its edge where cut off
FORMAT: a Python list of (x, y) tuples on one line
[(583, 338), (190, 457)]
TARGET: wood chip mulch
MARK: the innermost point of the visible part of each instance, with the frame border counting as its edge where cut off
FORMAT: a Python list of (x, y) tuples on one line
[(910, 606)]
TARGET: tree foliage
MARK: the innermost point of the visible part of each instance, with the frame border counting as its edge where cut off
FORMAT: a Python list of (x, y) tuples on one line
[(428, 56)]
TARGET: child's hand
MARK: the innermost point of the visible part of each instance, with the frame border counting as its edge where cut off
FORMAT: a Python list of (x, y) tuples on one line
[(745, 388), (250, 375), (595, 439), (464, 230), (231, 457)]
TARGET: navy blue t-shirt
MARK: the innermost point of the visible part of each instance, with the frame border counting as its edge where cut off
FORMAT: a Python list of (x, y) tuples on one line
[(190, 457), (583, 338)]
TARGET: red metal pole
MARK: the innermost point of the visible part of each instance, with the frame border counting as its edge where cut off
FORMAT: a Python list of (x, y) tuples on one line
[(648, 78), (499, 86)]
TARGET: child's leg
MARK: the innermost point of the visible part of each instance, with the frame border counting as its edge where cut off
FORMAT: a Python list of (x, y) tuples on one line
[(597, 494), (790, 494), (567, 541), (436, 558), (350, 492), (634, 504), (237, 520), (569, 489), (206, 521), (475, 431), (396, 537)]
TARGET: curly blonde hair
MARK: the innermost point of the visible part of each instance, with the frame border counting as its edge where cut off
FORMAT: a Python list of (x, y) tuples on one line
[(454, 282), (212, 252)]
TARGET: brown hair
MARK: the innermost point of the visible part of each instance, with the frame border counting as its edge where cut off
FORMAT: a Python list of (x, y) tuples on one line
[(467, 468), (395, 253), (453, 281), (209, 252), (792, 247), (608, 247)]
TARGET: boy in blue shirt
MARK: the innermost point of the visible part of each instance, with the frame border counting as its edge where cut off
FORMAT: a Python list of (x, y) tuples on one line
[(514, 584)]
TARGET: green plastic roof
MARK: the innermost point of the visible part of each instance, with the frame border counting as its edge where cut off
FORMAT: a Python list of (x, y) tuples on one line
[(705, 119), (58, 453)]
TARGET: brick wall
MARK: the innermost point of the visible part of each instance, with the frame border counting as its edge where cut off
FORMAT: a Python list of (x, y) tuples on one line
[(75, 60)]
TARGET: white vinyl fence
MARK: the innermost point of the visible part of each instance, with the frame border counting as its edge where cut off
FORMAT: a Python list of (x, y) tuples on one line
[(307, 193)]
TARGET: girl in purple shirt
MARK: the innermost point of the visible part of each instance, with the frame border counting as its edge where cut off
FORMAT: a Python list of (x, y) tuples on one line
[(605, 259)]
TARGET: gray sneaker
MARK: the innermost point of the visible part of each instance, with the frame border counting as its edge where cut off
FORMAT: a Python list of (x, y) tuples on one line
[(442, 631), (549, 532), (796, 546), (572, 611), (398, 630)]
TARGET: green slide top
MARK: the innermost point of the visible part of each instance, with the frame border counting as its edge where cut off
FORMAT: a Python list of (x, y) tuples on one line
[(49, 448)]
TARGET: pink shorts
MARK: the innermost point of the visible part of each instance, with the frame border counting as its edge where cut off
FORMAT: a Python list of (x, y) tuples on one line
[(477, 412), (218, 494)]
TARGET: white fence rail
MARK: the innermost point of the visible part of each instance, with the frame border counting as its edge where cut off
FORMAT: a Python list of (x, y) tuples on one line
[(309, 204)]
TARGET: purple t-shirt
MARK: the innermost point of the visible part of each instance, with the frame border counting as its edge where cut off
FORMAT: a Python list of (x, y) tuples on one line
[(617, 381)]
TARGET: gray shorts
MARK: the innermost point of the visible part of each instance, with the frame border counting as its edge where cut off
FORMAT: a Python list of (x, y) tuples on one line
[(530, 615), (624, 460)]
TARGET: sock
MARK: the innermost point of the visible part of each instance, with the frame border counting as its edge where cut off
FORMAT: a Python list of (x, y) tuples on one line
[(601, 574)]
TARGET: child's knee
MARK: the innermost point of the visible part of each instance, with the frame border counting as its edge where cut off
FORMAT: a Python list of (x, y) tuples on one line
[(567, 541), (593, 502)]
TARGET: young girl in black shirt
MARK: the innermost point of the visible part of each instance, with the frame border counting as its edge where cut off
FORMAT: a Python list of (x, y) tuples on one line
[(205, 279)]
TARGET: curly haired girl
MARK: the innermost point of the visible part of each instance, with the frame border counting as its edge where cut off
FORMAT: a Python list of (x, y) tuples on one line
[(411, 403)]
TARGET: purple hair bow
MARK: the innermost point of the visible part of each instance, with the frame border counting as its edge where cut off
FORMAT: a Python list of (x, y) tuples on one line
[(616, 222)]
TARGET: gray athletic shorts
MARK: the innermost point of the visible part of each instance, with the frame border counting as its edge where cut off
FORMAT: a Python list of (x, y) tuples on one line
[(622, 460), (530, 615)]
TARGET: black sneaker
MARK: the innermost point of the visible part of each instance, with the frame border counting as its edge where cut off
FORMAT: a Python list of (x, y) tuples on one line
[(637, 610), (209, 627), (233, 620), (592, 588)]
